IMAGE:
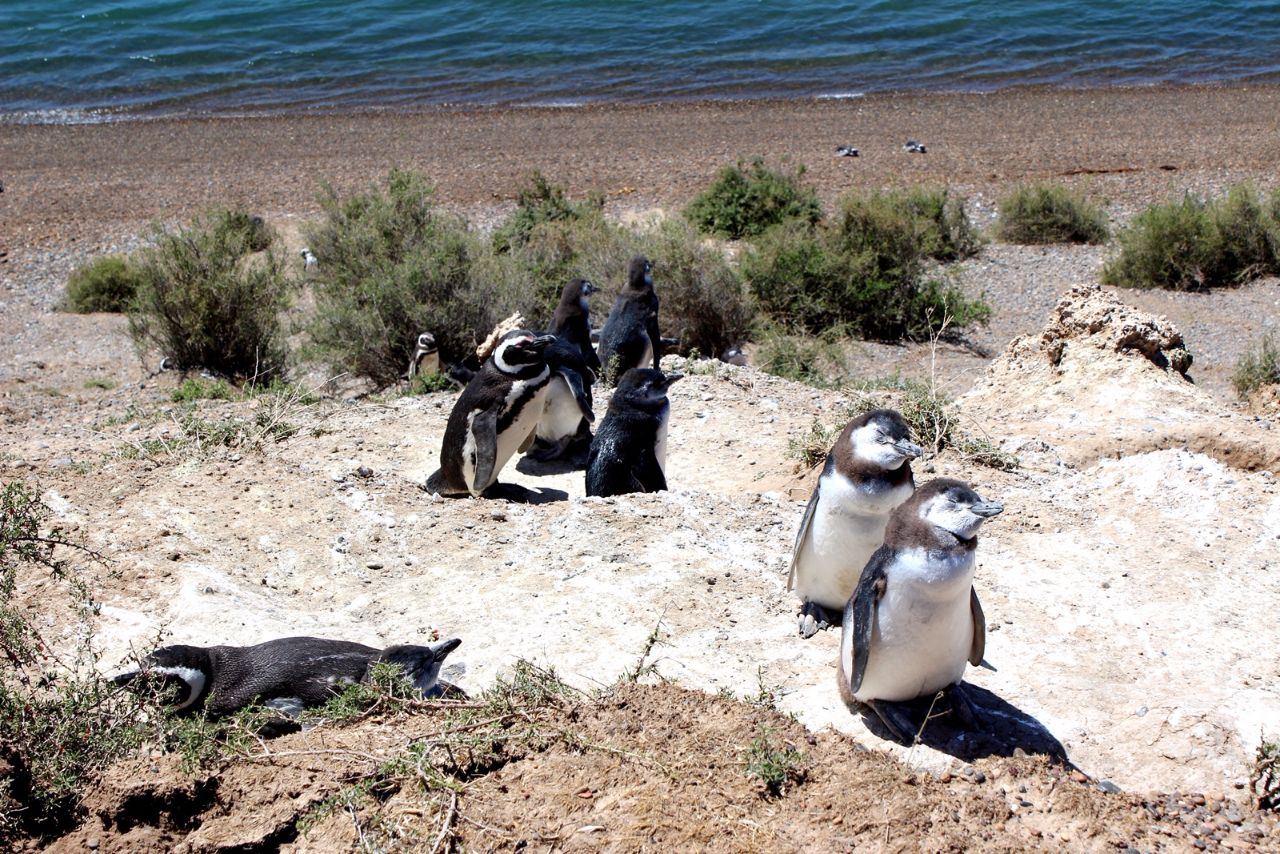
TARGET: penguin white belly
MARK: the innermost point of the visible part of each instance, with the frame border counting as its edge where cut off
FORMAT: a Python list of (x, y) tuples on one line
[(923, 627), (660, 443), (561, 413), (514, 436), (848, 526)]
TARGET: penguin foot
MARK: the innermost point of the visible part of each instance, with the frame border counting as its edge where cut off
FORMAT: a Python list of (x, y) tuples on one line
[(814, 617), (962, 706), (895, 719)]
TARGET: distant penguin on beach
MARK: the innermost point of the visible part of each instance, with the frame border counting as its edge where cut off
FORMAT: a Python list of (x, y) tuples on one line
[(846, 151), (913, 147), (867, 474), (914, 620), (495, 416), (630, 338), (288, 674), (629, 451)]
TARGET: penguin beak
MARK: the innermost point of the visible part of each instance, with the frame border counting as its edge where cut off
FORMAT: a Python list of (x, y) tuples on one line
[(673, 377), (444, 647), (540, 343), (987, 509), (910, 450)]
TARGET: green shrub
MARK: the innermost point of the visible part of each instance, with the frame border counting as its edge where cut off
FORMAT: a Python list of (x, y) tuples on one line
[(1257, 367), (866, 272), (537, 202), (774, 763), (198, 388), (815, 361), (744, 201), (1194, 245), (393, 265), (205, 303), (1048, 213), (103, 284)]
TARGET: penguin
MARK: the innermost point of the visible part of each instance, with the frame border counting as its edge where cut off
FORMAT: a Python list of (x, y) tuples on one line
[(913, 147), (426, 356), (495, 415), (846, 151), (287, 674), (629, 451), (630, 336), (915, 619), (867, 475), (572, 320), (567, 415), (309, 260)]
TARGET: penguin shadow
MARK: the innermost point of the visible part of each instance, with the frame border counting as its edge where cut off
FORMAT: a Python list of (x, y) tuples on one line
[(1002, 728), (561, 465), (517, 494)]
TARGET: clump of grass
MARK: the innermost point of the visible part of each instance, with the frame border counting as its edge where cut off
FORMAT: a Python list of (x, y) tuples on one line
[(811, 448), (775, 764), (1050, 213), (537, 202), (107, 284), (746, 200), (867, 270), (100, 383), (205, 303), (1196, 245), (1265, 778), (1257, 367), (813, 360), (199, 388), (428, 384)]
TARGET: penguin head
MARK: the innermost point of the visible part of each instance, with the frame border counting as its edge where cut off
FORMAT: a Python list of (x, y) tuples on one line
[(421, 664), (643, 388), (640, 274), (181, 673), (520, 349), (954, 507), (425, 347), (578, 292), (882, 439)]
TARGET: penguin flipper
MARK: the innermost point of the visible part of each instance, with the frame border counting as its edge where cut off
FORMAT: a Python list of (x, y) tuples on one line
[(655, 339), (484, 432), (648, 475), (860, 618), (581, 392), (801, 536), (979, 644)]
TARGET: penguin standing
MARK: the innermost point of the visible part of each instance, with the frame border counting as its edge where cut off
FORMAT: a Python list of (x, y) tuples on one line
[(572, 320), (287, 674), (630, 336), (426, 356), (915, 619), (494, 416), (629, 451), (565, 426), (867, 475)]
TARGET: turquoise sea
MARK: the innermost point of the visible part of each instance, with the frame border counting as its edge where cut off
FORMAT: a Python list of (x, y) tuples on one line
[(65, 61)]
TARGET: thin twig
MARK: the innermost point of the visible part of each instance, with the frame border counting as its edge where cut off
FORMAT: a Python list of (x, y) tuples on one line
[(447, 824)]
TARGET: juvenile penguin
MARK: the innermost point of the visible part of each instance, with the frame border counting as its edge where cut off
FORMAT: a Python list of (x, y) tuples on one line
[(287, 674), (567, 415), (426, 356), (867, 475), (630, 336), (495, 415), (629, 452), (572, 320), (915, 619)]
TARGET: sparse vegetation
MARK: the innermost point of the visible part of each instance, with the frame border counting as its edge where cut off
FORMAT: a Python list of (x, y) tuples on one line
[(108, 284), (774, 763), (199, 388), (205, 303), (537, 202), (867, 271), (811, 448), (1265, 778), (1195, 245), (813, 360), (1257, 367), (101, 383), (746, 200), (429, 384), (1049, 213)]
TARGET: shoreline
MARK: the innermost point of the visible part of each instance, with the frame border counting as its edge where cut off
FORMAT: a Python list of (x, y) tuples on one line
[(1126, 145)]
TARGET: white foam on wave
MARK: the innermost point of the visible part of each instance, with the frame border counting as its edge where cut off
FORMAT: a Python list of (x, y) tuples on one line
[(840, 96), (60, 116)]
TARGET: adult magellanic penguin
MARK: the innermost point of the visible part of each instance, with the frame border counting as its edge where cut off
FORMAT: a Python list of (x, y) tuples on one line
[(915, 620), (287, 674), (629, 451), (630, 337), (495, 416), (867, 474), (564, 430)]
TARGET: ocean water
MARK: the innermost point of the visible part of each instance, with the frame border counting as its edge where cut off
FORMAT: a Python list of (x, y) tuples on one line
[(111, 59)]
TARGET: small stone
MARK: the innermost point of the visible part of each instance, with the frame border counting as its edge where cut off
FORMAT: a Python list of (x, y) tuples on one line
[(1109, 787), (979, 777), (93, 844), (945, 777), (364, 471), (373, 564)]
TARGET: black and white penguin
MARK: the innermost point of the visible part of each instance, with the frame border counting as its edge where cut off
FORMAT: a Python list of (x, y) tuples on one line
[(564, 430), (572, 320), (426, 356), (630, 337), (629, 451), (913, 147), (495, 415), (287, 674), (867, 475), (309, 260), (846, 151), (915, 620)]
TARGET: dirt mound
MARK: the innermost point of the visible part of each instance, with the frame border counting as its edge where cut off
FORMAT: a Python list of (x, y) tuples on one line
[(1265, 401), (636, 768), (1103, 380)]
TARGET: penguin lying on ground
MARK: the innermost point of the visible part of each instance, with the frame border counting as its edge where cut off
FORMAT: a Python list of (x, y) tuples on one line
[(866, 476), (288, 674), (629, 452), (630, 336), (564, 430), (915, 619), (495, 415), (572, 321)]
